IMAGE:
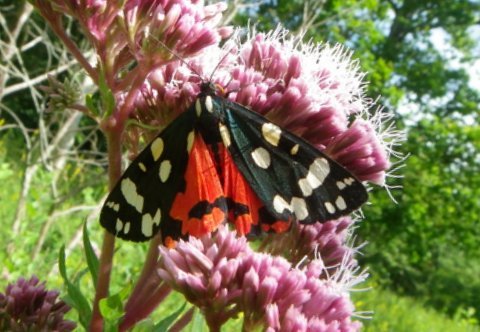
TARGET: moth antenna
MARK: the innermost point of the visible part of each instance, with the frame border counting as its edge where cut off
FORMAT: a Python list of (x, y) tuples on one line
[(219, 63), (182, 60)]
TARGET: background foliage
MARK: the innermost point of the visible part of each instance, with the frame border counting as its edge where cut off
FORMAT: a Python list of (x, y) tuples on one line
[(419, 55)]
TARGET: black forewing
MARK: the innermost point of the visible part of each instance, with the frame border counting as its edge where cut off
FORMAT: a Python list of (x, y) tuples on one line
[(139, 222), (339, 193)]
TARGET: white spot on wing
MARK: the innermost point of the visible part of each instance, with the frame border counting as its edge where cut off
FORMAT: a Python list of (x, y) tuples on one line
[(279, 204), (165, 169), (340, 203), (142, 167), (330, 208), (317, 172), (129, 191), (261, 157), (113, 206), (305, 187), (127, 227), (118, 225), (198, 107), (209, 104), (190, 138), (294, 150), (341, 185), (224, 134), (271, 133), (299, 208), (148, 222), (157, 148), (320, 168)]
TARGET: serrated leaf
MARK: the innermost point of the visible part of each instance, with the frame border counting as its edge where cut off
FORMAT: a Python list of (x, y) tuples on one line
[(165, 323), (92, 259), (75, 297)]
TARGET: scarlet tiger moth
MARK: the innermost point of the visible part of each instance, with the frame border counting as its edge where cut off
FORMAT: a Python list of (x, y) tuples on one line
[(219, 161)]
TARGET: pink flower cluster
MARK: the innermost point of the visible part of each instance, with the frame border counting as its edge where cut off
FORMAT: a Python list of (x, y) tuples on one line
[(313, 91), (134, 37), (222, 276), (328, 241), (134, 28)]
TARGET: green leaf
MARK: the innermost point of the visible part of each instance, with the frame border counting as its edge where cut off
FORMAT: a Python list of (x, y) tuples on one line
[(91, 105), (165, 323), (75, 297), (198, 322), (106, 95), (92, 260), (145, 325), (111, 307)]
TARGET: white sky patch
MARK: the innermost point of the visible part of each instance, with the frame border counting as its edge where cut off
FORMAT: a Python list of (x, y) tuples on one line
[(441, 40)]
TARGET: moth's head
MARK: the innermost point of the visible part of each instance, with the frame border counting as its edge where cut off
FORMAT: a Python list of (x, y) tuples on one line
[(208, 88), (211, 89)]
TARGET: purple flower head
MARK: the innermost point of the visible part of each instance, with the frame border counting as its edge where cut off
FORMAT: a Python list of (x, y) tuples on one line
[(328, 241), (133, 38), (204, 270), (145, 27), (163, 28), (27, 306), (360, 148), (312, 90), (94, 15), (221, 275), (283, 298)]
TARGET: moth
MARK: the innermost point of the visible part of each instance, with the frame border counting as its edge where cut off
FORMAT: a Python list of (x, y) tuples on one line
[(218, 161)]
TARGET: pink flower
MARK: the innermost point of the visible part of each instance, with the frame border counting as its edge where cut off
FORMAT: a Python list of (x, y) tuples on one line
[(328, 240), (312, 91), (133, 38), (204, 270), (222, 276), (185, 27), (361, 148)]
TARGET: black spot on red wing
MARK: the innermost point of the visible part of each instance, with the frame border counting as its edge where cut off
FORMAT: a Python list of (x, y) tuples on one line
[(237, 209), (271, 224), (204, 207)]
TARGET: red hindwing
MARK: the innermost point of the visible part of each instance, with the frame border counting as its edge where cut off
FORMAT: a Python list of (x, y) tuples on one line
[(195, 207), (216, 191)]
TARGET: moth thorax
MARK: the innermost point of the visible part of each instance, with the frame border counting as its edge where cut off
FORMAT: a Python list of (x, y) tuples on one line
[(209, 119), (208, 88)]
